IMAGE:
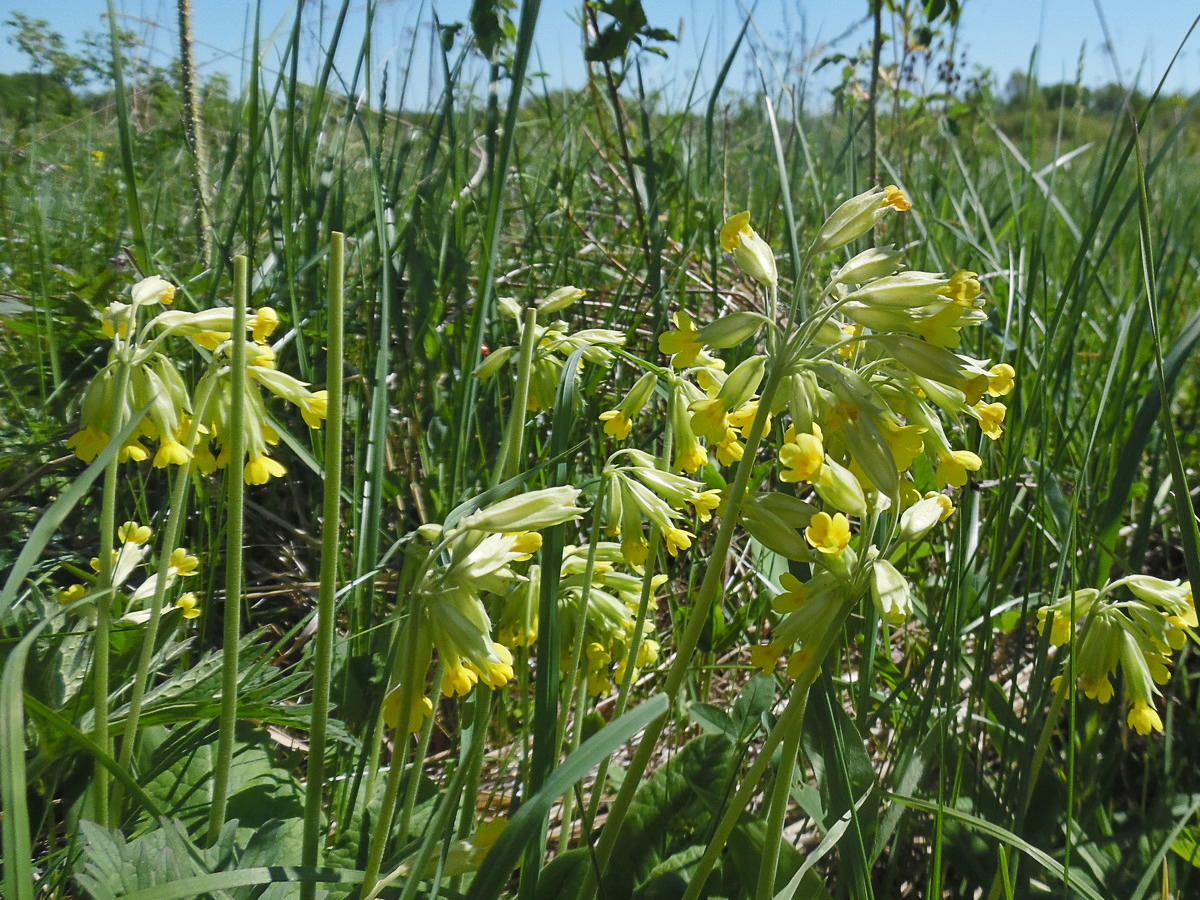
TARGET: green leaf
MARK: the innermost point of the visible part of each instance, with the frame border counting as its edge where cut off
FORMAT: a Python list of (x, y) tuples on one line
[(502, 858), (1049, 864), (671, 810)]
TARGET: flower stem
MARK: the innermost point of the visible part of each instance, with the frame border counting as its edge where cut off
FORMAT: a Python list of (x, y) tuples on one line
[(233, 551), (326, 603), (699, 616)]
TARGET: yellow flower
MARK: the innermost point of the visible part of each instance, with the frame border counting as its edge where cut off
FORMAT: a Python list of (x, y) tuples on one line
[(314, 408), (764, 657), (263, 323), (1143, 718), (677, 539), (189, 605), (709, 419), (87, 443), (749, 250), (705, 502), (132, 449), (896, 199), (182, 564), (828, 534), (729, 450), (991, 417), (171, 453), (963, 288), (261, 469), (1001, 379), (794, 595), (420, 709), (683, 345), (801, 456), (458, 679), (616, 424), (70, 594), (133, 533), (952, 468)]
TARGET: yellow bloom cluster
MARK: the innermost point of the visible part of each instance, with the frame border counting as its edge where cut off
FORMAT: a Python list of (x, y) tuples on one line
[(182, 433), (1136, 629), (554, 342), (639, 492), (129, 603), (608, 618), (462, 564), (871, 391)]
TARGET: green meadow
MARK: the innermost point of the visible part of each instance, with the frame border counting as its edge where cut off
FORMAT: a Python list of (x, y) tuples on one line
[(458, 496)]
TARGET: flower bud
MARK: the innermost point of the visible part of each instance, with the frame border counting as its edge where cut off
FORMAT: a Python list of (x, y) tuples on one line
[(870, 265), (729, 331), (918, 520), (530, 511), (890, 592), (558, 300), (742, 382), (906, 290), (857, 216)]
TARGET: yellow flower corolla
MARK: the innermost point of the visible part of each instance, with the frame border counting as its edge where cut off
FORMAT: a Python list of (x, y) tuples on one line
[(764, 657), (171, 453), (314, 408), (709, 419), (953, 467), (682, 345), (87, 443), (261, 469), (963, 288), (498, 671), (182, 564), (70, 594), (828, 534), (677, 539), (1097, 688), (132, 449), (1001, 379), (795, 594), (190, 606), (133, 533), (1144, 718), (420, 709), (801, 456), (616, 424), (729, 450), (705, 502), (526, 544), (458, 679), (264, 321), (896, 199), (991, 418), (749, 250)]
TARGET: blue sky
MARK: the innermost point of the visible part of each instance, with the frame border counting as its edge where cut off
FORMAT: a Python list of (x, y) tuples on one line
[(997, 34)]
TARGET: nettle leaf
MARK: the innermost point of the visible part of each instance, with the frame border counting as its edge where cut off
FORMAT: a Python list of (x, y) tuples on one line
[(113, 867), (670, 811), (258, 791)]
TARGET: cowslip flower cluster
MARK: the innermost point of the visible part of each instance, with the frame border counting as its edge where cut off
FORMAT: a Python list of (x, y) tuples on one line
[(865, 403), (464, 563), (129, 603), (554, 342), (604, 605), (185, 424), (1136, 629), (642, 491)]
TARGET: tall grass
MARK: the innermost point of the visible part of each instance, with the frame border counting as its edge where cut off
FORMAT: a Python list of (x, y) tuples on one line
[(934, 759)]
